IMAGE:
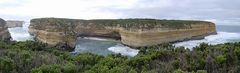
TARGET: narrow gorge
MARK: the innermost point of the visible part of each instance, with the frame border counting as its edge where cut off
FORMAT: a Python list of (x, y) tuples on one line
[(63, 32)]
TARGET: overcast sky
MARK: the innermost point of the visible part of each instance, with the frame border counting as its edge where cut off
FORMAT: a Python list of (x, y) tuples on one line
[(219, 11)]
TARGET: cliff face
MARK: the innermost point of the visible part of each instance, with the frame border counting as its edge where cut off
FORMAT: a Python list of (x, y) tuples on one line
[(12, 23), (4, 33), (132, 32)]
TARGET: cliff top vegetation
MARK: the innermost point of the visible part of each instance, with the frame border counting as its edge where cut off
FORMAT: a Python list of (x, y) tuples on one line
[(34, 57), (137, 23)]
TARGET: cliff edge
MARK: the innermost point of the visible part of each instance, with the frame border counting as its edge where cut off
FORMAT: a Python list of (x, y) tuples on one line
[(4, 33), (133, 32), (14, 23)]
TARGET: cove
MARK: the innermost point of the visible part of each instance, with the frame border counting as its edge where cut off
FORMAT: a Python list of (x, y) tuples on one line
[(103, 47)]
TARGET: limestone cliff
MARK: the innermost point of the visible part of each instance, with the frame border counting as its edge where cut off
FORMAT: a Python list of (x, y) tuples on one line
[(132, 32), (4, 33), (14, 23)]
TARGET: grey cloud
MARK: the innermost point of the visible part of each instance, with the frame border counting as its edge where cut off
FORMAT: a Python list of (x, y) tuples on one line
[(180, 9), (14, 17), (223, 11), (16, 3)]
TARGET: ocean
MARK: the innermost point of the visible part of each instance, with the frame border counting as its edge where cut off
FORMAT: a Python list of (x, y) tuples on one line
[(225, 34), (20, 33), (104, 47)]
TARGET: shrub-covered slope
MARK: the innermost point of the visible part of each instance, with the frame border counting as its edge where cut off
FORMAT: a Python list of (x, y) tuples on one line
[(26, 57)]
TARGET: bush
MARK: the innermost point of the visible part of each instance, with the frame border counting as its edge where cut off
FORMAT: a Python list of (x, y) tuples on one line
[(56, 68), (7, 65), (179, 71), (201, 71), (29, 56), (221, 59), (47, 69)]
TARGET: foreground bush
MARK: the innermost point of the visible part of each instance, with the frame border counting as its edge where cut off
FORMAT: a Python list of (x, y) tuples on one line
[(29, 56)]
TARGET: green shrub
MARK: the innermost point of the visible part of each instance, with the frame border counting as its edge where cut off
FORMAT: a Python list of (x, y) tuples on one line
[(201, 71), (47, 69), (6, 65), (221, 59), (29, 56), (179, 71)]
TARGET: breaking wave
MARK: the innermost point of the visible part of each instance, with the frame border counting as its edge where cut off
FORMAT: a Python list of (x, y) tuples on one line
[(97, 38), (103, 46), (220, 38), (123, 50), (20, 33)]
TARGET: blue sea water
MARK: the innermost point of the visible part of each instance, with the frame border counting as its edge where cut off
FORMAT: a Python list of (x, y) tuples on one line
[(228, 28)]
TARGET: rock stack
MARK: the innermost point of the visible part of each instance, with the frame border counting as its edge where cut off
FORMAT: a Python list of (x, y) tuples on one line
[(131, 32)]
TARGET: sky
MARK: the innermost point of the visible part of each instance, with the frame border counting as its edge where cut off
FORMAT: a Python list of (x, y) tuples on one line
[(221, 12)]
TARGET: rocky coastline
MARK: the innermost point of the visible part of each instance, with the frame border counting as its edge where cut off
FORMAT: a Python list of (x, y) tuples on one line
[(61, 32)]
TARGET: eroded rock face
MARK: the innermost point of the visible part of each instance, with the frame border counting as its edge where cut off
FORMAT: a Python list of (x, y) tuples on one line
[(4, 33), (132, 32), (14, 23)]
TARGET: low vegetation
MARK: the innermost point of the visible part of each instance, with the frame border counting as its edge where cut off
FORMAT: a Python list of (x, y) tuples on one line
[(33, 57), (124, 23)]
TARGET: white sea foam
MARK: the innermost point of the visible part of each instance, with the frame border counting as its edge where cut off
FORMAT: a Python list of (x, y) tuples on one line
[(20, 33), (99, 39), (221, 37), (123, 50)]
